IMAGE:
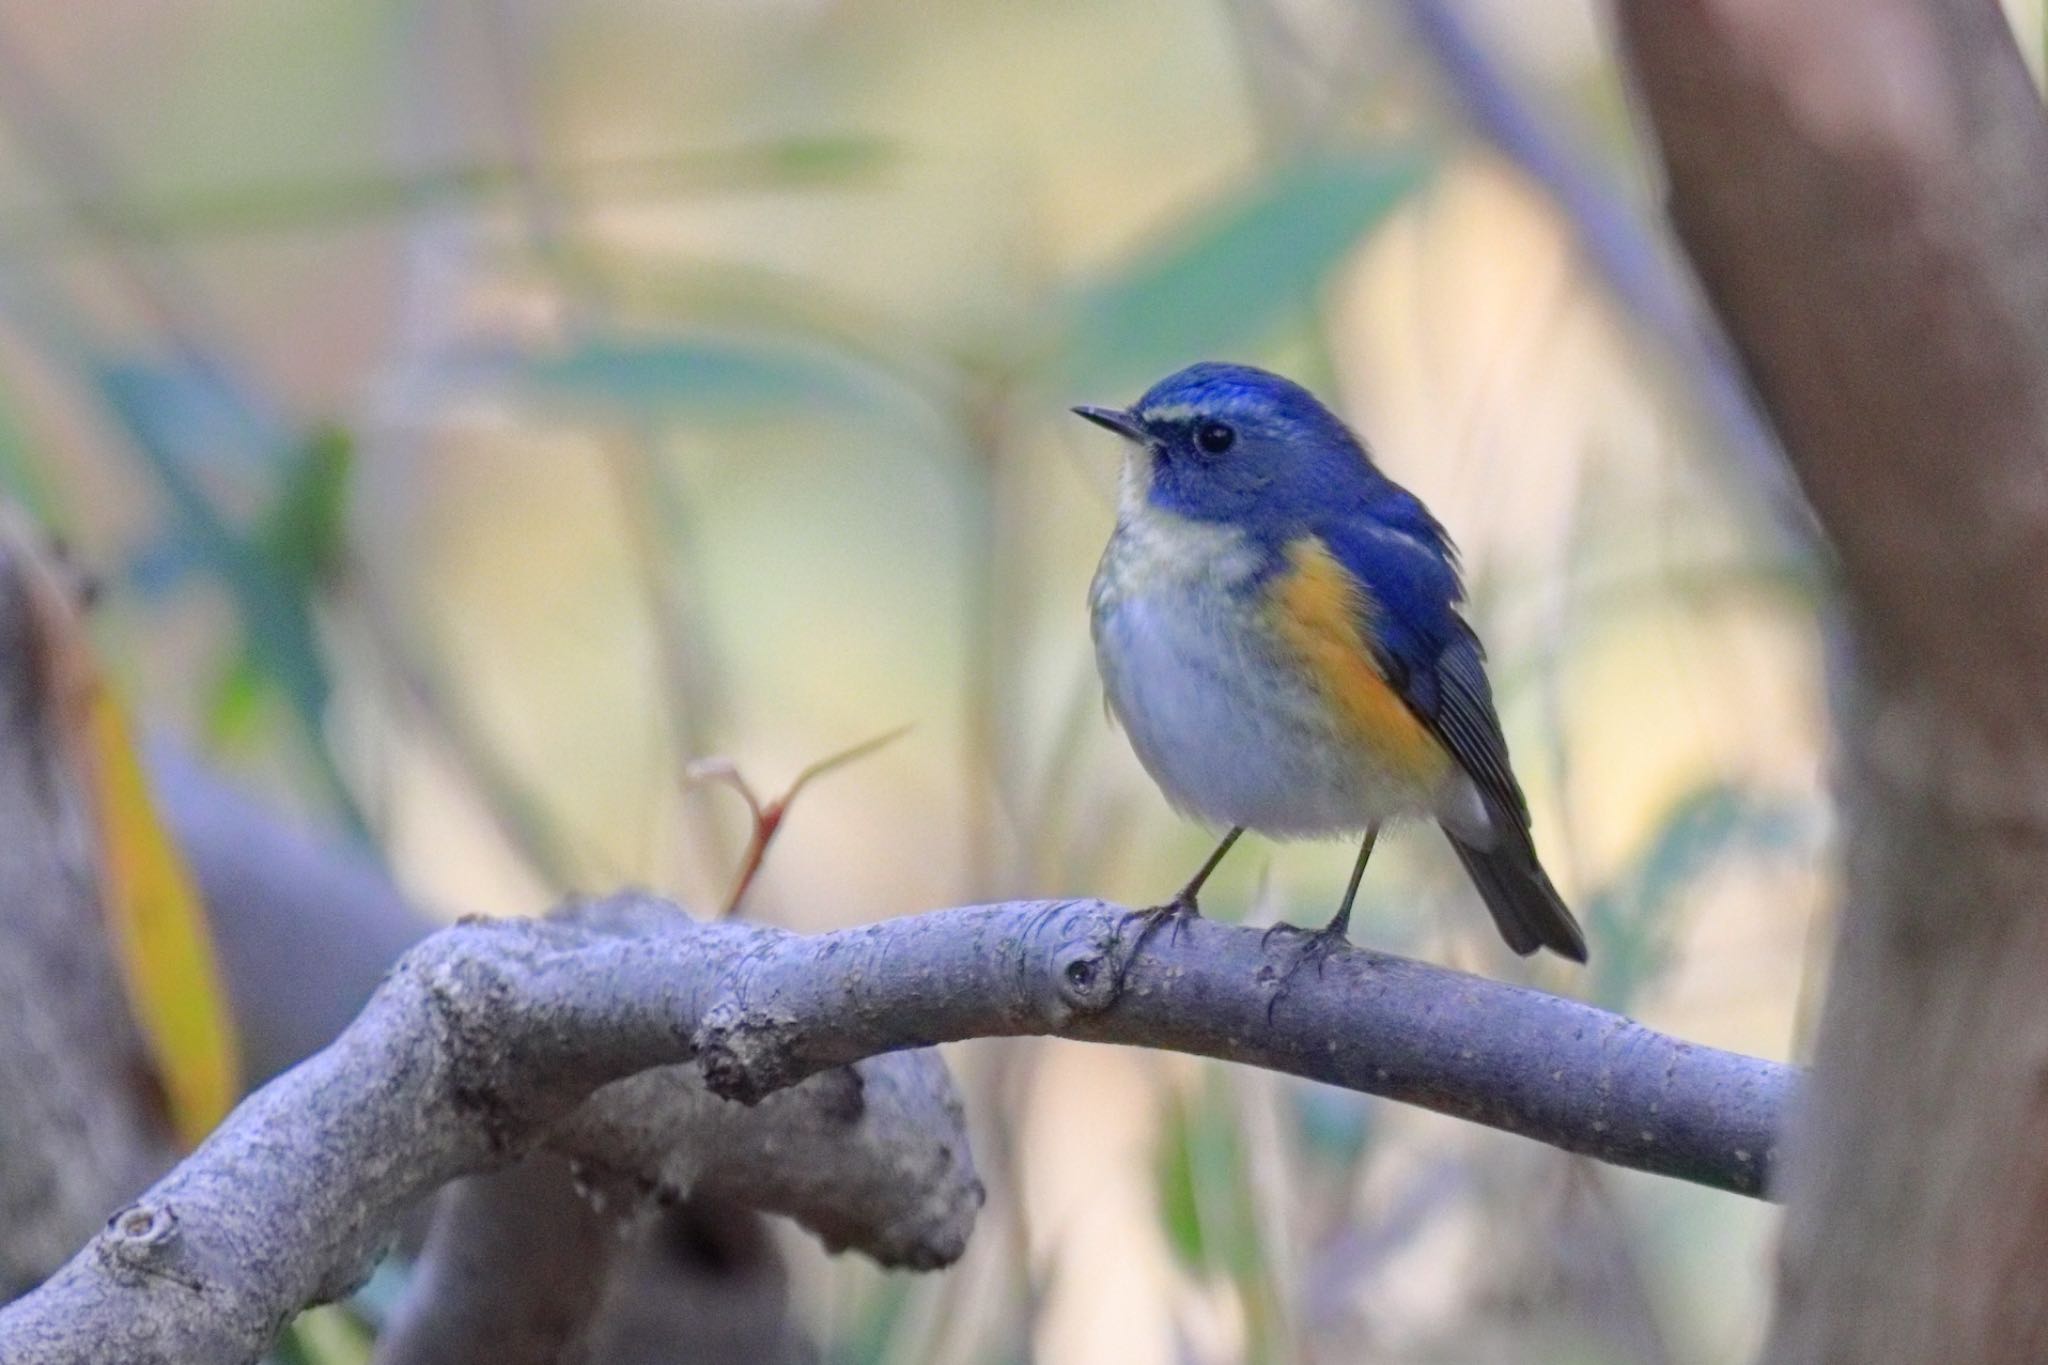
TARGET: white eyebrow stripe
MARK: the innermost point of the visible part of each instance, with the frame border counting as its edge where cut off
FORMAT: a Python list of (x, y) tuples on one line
[(1240, 408)]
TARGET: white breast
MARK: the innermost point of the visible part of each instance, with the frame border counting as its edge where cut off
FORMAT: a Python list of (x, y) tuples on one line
[(1217, 709)]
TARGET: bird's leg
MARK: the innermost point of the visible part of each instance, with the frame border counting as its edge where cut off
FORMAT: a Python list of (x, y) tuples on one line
[(1320, 943), (1184, 900), (1340, 923), (1182, 906)]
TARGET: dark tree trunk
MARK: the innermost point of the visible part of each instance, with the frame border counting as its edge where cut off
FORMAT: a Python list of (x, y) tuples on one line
[(1863, 185)]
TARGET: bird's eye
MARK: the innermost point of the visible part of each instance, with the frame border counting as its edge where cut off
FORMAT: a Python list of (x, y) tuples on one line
[(1215, 437)]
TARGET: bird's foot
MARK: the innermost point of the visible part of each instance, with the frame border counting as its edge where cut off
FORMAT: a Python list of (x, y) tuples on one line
[(1316, 946), (1175, 913)]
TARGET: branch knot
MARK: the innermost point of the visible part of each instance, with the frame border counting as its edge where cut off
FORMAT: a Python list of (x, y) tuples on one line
[(745, 1055), (142, 1232), (140, 1240), (1084, 975)]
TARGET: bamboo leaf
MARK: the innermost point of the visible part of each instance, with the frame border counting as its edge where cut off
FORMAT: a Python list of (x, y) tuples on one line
[(171, 434), (1632, 917), (304, 533), (703, 374), (295, 204), (1227, 279)]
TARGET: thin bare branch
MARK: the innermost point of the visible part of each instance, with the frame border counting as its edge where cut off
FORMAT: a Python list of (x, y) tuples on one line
[(769, 815)]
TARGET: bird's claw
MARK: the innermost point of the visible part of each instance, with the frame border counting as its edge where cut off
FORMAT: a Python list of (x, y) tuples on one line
[(1316, 945), (1266, 939), (1175, 912)]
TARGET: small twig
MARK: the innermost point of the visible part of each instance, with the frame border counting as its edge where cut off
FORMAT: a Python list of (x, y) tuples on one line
[(768, 815)]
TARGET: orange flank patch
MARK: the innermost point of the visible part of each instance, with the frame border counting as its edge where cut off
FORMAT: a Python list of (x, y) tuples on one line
[(1322, 611)]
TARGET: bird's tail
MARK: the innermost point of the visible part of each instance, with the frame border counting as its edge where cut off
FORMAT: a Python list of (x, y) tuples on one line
[(1526, 907)]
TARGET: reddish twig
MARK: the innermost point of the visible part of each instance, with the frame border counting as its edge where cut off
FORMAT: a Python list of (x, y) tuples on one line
[(768, 815)]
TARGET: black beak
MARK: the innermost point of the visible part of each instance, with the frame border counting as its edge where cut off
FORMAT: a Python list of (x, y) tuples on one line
[(1116, 420)]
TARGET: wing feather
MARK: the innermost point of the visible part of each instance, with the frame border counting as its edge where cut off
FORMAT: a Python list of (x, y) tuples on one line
[(1469, 726), (1428, 654), (1434, 663)]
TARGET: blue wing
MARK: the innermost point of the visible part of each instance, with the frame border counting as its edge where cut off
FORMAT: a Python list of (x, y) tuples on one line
[(1428, 653), (1434, 661)]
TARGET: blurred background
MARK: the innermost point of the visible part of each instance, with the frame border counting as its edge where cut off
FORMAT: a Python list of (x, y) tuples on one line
[(477, 412)]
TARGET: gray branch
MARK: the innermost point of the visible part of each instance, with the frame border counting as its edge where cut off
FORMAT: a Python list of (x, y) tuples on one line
[(488, 1039), (1568, 1074), (490, 1036), (519, 1267), (515, 1269)]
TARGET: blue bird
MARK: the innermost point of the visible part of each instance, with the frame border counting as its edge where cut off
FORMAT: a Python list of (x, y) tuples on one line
[(1277, 625)]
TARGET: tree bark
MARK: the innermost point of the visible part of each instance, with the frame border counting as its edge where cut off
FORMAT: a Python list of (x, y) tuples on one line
[(1863, 185), (551, 1262), (516, 1269), (708, 1285), (82, 1125), (1552, 1069)]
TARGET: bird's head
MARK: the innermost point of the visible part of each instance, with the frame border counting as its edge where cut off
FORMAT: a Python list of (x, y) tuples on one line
[(1230, 443)]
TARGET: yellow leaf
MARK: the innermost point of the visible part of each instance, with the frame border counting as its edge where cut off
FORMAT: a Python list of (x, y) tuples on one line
[(158, 926)]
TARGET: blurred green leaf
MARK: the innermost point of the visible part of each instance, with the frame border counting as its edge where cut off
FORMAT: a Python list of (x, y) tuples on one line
[(327, 1335), (234, 705), (880, 1316), (1204, 1196), (704, 375), (304, 533), (1226, 280), (301, 539), (1631, 918), (278, 624), (275, 612), (376, 1303), (1177, 1207), (1335, 1125), (21, 477), (825, 156), (194, 412), (338, 201)]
